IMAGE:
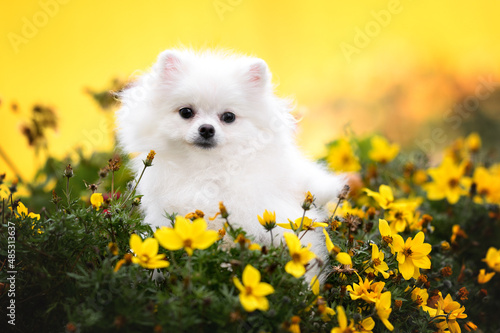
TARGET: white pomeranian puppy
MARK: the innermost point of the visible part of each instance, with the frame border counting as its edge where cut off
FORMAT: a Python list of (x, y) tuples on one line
[(220, 134)]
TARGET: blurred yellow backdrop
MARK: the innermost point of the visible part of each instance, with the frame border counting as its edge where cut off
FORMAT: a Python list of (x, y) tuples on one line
[(52, 50)]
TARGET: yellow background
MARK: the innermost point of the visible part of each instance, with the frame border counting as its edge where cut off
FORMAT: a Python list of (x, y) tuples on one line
[(88, 43)]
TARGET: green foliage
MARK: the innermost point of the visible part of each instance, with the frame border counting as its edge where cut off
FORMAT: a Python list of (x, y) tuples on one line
[(75, 272)]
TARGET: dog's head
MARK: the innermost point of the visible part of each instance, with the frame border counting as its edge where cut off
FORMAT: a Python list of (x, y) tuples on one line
[(201, 102)]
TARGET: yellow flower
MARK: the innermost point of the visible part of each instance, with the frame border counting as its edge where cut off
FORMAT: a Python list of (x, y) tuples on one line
[(254, 247), (383, 307), (127, 259), (484, 277), (401, 215), (96, 200), (386, 233), (456, 151), (449, 311), (294, 327), (470, 326), (342, 158), (420, 177), (342, 257), (253, 292), (365, 326), (113, 248), (447, 181), (342, 318), (378, 265), (268, 220), (367, 290), (23, 212), (420, 297), (383, 197), (493, 259), (315, 285), (242, 240), (412, 255), (382, 151), (300, 256), (487, 186), (146, 253), (456, 231), (326, 312), (362, 290), (307, 224), (473, 142), (187, 235)]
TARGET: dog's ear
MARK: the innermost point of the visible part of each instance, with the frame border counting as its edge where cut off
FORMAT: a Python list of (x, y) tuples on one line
[(169, 63), (258, 74)]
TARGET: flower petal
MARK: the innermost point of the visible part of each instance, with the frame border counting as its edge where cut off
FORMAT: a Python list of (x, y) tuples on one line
[(249, 302), (251, 276), (423, 249), (205, 240), (238, 284), (422, 262), (384, 228), (262, 303), (328, 241), (150, 247), (344, 258), (341, 317), (198, 227), (295, 269), (21, 209), (136, 243), (262, 289), (292, 242), (169, 239), (407, 269), (398, 243), (183, 227)]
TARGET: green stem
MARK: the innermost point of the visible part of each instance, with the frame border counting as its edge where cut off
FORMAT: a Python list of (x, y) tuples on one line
[(112, 184), (230, 227), (135, 187), (272, 238), (335, 210), (67, 190), (301, 223), (190, 273)]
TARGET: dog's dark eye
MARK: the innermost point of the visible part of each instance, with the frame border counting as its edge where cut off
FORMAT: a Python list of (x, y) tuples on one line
[(186, 113), (228, 117)]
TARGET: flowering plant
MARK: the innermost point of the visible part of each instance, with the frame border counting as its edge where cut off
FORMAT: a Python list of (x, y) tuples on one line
[(407, 251)]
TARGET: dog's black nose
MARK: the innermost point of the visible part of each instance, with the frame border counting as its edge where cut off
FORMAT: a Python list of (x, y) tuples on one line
[(206, 131)]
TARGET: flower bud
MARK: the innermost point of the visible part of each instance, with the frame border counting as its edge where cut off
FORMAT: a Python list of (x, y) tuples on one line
[(149, 159), (345, 191), (223, 211), (68, 172), (308, 201)]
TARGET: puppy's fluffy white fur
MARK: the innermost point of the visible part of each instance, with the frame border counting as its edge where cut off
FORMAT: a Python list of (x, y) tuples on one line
[(252, 163)]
